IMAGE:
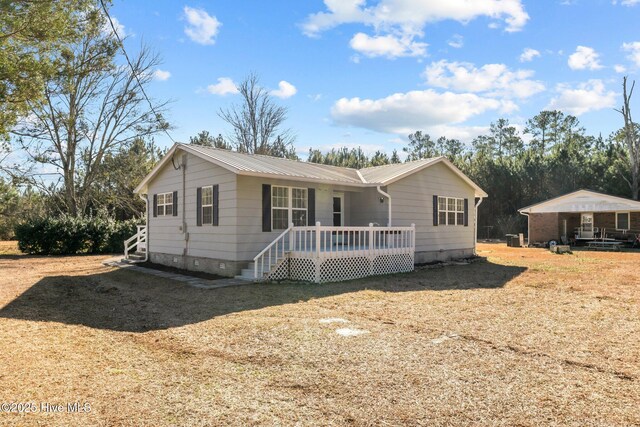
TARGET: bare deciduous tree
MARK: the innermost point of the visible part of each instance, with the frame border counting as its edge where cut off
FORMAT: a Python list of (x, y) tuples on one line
[(631, 138), (257, 122), (92, 108)]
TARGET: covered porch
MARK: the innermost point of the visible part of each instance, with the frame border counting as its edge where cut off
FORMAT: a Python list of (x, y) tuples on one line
[(332, 253), (583, 216)]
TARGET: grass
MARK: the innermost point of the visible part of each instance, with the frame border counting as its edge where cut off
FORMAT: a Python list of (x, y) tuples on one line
[(9, 247), (526, 338)]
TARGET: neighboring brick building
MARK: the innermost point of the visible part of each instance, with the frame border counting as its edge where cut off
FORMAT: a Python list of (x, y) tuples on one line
[(583, 215)]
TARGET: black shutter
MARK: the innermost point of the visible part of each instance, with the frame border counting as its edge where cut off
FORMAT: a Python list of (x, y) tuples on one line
[(155, 205), (466, 212), (199, 206), (175, 203), (215, 204), (435, 210), (266, 207), (311, 206)]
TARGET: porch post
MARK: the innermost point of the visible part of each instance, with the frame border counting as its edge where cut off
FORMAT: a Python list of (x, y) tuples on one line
[(413, 238), (292, 237), (318, 259), (371, 249)]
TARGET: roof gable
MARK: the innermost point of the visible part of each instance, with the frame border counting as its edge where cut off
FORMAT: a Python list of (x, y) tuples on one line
[(583, 201), (276, 167)]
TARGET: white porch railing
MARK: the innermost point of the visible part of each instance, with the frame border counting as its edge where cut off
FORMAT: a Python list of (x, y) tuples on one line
[(319, 243), (271, 255), (137, 241)]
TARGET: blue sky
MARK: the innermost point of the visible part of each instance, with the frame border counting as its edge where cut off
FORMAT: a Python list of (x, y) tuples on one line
[(366, 73)]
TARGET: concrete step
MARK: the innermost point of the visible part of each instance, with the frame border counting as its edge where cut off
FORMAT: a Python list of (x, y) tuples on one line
[(248, 272), (136, 257), (245, 278)]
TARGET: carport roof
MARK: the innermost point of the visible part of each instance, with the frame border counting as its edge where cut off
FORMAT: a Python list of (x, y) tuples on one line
[(583, 201)]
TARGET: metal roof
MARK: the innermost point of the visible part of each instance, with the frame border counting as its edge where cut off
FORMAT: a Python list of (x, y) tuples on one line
[(277, 167), (249, 164), (583, 201), (382, 174)]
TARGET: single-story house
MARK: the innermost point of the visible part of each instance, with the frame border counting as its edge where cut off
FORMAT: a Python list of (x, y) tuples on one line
[(266, 217), (583, 215)]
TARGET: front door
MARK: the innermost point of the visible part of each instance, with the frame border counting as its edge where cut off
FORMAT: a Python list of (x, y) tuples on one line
[(586, 225), (338, 210)]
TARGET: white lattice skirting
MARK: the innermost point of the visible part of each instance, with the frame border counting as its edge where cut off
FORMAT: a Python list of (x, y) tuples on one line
[(339, 269)]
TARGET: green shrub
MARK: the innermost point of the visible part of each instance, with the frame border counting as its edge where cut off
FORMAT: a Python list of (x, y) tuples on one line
[(67, 235)]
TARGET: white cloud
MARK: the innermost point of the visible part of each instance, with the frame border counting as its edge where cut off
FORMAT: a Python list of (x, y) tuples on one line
[(619, 68), (412, 15), (285, 90), (201, 27), (492, 79), (367, 149), (161, 75), (627, 2), (224, 86), (456, 41), (465, 134), (397, 23), (584, 58), (634, 52), (120, 30), (528, 54), (388, 46), (404, 113), (587, 96)]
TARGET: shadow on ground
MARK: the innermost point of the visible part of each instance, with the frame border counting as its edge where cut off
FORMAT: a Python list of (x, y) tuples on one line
[(130, 301)]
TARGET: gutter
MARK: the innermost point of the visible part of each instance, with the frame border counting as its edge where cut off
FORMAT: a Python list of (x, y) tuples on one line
[(388, 197), (475, 226)]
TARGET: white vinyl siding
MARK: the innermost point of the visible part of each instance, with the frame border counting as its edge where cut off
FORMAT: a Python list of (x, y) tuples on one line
[(413, 203), (166, 234), (622, 220)]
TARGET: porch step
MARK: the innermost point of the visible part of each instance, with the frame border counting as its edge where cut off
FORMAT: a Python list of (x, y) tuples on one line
[(136, 257), (247, 273)]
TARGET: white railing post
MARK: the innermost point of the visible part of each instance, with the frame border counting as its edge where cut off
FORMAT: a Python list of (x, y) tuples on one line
[(292, 238), (372, 239), (318, 238), (317, 258), (413, 238)]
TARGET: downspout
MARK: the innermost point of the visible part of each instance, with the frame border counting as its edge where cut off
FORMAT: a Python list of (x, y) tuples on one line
[(146, 224), (185, 232), (475, 226), (528, 227), (388, 197)]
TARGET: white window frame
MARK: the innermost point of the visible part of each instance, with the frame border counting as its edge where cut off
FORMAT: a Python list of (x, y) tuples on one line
[(289, 208), (203, 205), (447, 211), (164, 203), (628, 213)]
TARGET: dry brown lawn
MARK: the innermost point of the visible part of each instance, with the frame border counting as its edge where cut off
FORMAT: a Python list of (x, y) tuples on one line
[(527, 338)]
